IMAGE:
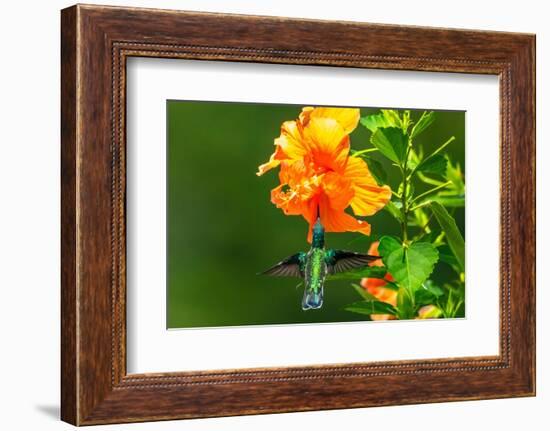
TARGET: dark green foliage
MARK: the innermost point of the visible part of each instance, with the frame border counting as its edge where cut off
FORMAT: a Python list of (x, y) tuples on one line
[(430, 237)]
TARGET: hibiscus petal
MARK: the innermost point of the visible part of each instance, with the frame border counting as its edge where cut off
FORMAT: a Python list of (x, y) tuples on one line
[(291, 141), (328, 143), (305, 115), (273, 162), (373, 251), (369, 197), (338, 220), (348, 118), (338, 190), (371, 283), (289, 146), (377, 289)]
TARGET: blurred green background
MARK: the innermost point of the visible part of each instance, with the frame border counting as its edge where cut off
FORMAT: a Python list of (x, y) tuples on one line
[(223, 230)]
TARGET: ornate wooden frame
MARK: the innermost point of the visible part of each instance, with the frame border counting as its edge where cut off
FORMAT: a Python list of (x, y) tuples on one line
[(95, 43)]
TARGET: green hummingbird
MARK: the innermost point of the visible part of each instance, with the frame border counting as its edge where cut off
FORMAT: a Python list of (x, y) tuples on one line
[(314, 266)]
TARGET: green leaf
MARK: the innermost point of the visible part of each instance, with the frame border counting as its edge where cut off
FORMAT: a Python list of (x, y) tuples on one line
[(392, 117), (454, 237), (371, 307), (428, 294), (410, 265), (391, 142), (423, 123), (373, 122), (411, 163), (414, 157), (422, 297), (388, 118), (357, 273), (446, 255), (433, 288), (387, 245), (429, 180), (377, 170), (394, 210), (434, 164)]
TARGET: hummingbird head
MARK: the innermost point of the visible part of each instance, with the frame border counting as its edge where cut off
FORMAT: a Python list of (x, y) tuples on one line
[(318, 234)]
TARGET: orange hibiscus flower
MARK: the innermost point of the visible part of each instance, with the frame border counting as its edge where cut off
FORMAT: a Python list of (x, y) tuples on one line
[(376, 286), (317, 174)]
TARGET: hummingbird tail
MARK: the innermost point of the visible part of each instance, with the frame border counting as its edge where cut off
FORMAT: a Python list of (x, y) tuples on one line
[(313, 299)]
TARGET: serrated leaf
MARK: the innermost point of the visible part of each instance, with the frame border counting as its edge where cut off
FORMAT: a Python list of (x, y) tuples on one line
[(357, 273), (434, 164), (387, 245), (410, 265), (391, 142), (373, 122), (371, 307), (423, 123), (392, 116), (454, 237)]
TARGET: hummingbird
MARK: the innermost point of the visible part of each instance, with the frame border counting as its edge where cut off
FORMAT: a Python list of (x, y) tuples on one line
[(314, 266)]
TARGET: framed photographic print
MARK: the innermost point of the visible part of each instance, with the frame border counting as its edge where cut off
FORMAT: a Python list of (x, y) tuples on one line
[(254, 210)]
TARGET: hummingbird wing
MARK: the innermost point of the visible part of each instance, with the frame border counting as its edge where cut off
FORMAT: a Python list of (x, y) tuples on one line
[(344, 260), (292, 266)]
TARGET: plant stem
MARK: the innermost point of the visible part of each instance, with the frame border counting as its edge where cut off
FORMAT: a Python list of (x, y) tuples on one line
[(428, 180), (420, 196), (423, 204), (368, 150), (451, 139), (404, 207)]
